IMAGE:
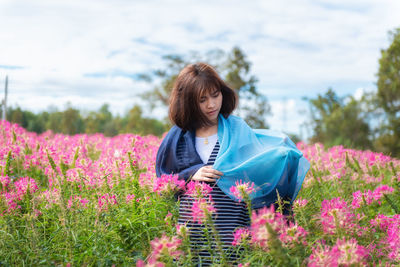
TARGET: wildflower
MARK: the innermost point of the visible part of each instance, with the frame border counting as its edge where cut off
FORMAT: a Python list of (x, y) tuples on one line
[(322, 255), (357, 199), (293, 234), (4, 181), (198, 189), (335, 213), (261, 221), (349, 252), (381, 190), (268, 215), (168, 183), (201, 208), (182, 230), (77, 202), (393, 241), (129, 198), (105, 201), (300, 203), (239, 235), (168, 217), (242, 190), (165, 246), (25, 185), (51, 196)]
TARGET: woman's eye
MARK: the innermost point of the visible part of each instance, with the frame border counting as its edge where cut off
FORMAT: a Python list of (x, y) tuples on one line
[(216, 94)]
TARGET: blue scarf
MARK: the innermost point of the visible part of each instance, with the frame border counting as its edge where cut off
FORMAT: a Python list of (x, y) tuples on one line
[(267, 158)]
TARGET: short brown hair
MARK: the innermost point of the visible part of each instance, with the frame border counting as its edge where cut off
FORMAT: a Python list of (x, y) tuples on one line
[(193, 81)]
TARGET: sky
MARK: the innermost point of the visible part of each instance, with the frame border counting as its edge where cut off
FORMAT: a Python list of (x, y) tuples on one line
[(90, 52)]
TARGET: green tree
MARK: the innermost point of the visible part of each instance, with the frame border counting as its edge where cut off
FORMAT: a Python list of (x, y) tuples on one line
[(233, 67), (135, 123), (388, 96), (101, 122), (339, 121), (71, 121)]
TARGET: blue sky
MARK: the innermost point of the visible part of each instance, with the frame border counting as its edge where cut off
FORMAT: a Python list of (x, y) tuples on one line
[(89, 52)]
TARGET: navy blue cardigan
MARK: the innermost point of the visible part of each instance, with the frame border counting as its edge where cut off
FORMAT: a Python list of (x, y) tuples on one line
[(170, 162)]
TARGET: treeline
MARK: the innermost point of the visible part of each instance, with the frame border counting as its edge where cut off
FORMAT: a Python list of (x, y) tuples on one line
[(371, 122), (71, 121)]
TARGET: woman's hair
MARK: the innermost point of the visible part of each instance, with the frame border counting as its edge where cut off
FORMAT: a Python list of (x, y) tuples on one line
[(193, 81)]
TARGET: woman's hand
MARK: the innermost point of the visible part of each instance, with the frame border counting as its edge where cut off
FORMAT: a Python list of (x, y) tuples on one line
[(207, 174)]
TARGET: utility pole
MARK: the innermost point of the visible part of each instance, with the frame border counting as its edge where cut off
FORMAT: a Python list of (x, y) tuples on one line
[(4, 102)]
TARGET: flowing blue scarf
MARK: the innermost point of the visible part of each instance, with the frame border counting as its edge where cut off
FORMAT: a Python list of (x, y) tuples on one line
[(267, 158)]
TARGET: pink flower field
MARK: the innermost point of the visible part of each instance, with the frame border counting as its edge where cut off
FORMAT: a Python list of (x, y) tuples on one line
[(95, 200)]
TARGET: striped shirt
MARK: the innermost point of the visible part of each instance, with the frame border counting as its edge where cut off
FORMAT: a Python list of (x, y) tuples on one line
[(229, 216)]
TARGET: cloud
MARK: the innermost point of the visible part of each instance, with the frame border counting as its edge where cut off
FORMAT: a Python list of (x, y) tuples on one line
[(92, 51)]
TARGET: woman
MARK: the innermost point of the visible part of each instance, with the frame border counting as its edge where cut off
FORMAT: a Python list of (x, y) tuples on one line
[(210, 145)]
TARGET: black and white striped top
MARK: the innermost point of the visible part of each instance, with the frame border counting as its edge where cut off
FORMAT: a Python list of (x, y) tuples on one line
[(229, 216)]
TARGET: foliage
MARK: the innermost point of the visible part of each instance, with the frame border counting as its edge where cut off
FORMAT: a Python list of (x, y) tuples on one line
[(234, 69), (71, 121), (388, 94), (335, 122), (94, 200)]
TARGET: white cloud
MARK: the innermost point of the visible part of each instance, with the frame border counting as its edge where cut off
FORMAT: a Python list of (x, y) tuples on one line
[(297, 47)]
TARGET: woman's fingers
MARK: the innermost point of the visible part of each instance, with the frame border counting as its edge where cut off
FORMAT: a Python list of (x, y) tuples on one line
[(210, 168), (204, 179)]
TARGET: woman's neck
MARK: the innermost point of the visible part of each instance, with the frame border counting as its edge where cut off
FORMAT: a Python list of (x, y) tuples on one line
[(207, 131)]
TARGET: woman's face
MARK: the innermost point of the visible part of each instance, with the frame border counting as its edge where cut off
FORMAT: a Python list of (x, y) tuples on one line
[(210, 104)]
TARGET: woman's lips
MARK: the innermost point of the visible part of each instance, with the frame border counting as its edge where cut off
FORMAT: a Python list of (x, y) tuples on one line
[(212, 112)]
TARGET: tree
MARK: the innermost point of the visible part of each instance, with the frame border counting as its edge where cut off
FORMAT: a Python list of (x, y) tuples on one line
[(337, 122), (389, 95), (233, 67), (71, 121), (97, 122), (135, 123)]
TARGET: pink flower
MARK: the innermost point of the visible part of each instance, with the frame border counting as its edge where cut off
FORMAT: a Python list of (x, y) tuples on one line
[(393, 241), (182, 230), (167, 218), (165, 246), (4, 181), (77, 202), (51, 196), (25, 184), (323, 255), (260, 235), (242, 190), (268, 215), (300, 203), (201, 207), (293, 234), (357, 199), (239, 235), (168, 183), (105, 201), (381, 190), (350, 253), (198, 189), (129, 198), (335, 213), (369, 196)]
